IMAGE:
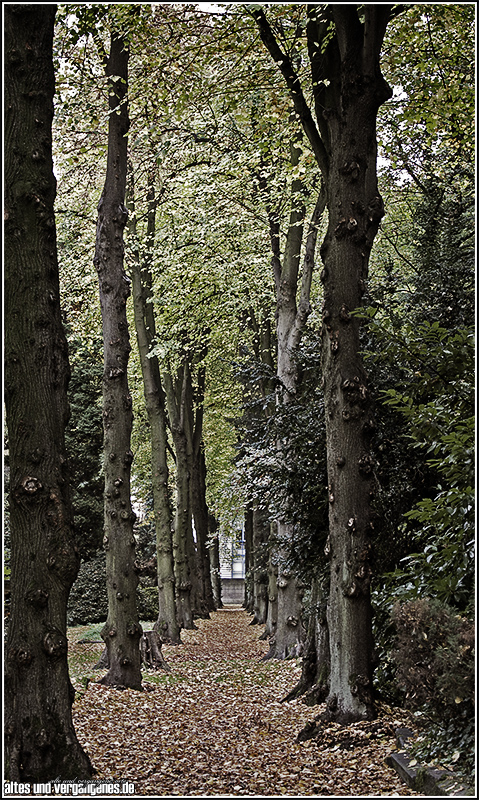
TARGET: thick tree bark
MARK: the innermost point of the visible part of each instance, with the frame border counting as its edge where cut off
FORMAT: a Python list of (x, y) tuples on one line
[(40, 740), (155, 402), (348, 89), (355, 210), (122, 630), (272, 614), (314, 682), (150, 651)]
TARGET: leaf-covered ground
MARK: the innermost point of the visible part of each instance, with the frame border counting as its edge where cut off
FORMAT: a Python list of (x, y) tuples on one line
[(215, 725)]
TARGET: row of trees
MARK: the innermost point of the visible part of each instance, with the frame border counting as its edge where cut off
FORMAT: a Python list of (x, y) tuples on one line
[(257, 137)]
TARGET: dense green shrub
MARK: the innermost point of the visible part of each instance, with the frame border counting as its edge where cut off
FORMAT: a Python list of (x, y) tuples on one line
[(435, 662), (84, 442), (88, 601), (419, 344), (385, 685), (88, 598), (147, 602), (290, 483)]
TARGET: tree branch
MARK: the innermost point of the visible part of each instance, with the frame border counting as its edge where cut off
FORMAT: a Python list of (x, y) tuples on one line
[(376, 19), (349, 31), (294, 85), (304, 307)]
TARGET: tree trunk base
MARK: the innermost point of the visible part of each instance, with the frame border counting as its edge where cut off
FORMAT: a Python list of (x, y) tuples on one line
[(103, 662), (315, 728), (203, 614), (333, 714), (163, 631), (294, 651), (150, 650), (259, 617), (312, 695)]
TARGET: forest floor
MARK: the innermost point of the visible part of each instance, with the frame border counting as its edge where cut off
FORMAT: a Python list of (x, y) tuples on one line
[(215, 724)]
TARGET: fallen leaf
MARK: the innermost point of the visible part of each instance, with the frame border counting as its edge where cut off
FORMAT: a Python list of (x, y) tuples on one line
[(215, 726)]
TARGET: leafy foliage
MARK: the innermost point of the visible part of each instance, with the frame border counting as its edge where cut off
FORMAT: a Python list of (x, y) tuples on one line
[(88, 600), (436, 668), (289, 484), (434, 96), (421, 354), (420, 350), (84, 442), (443, 429)]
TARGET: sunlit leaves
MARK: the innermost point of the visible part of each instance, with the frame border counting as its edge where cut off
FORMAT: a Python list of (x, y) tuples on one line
[(432, 71)]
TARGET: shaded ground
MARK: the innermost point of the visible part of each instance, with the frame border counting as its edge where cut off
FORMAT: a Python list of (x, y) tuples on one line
[(215, 725)]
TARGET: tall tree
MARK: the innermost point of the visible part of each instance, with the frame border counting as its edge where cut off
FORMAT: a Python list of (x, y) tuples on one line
[(122, 630), (166, 625), (194, 592), (259, 557), (176, 392), (39, 736), (291, 316), (344, 45), (199, 506)]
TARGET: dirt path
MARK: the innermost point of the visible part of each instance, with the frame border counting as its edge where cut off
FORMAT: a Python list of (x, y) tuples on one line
[(215, 726)]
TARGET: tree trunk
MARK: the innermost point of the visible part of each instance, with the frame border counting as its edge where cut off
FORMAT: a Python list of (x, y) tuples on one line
[(142, 282), (150, 650), (214, 551), (260, 567), (200, 516), (355, 209), (197, 598), (249, 561), (314, 682), (40, 740), (122, 630), (183, 538), (272, 614), (348, 89), (175, 392), (291, 318), (198, 483)]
